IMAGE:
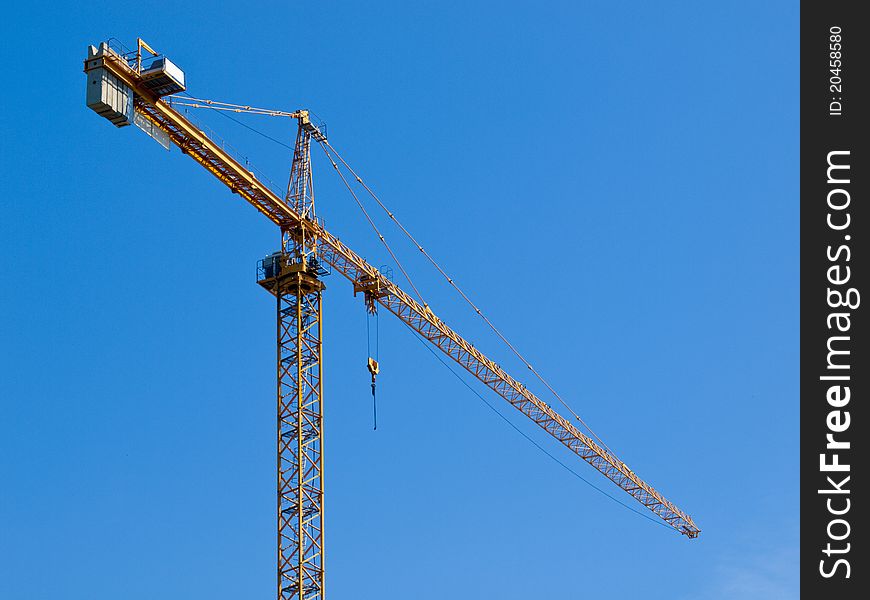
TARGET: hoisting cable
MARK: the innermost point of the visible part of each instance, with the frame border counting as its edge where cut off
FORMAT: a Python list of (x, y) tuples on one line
[(372, 223), (522, 433), (373, 365), (238, 108), (462, 293)]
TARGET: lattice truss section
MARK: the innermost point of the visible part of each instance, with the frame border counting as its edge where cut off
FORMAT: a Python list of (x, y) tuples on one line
[(300, 449), (300, 196)]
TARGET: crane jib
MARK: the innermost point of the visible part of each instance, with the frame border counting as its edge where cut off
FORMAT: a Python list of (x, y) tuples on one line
[(240, 180)]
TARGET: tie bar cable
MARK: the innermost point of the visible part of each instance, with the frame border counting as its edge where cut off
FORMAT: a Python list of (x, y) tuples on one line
[(468, 300), (190, 101), (372, 223)]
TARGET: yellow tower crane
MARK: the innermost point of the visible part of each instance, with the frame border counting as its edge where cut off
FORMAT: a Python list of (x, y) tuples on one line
[(127, 87)]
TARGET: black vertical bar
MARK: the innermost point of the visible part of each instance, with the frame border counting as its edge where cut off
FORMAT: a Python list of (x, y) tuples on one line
[(834, 265)]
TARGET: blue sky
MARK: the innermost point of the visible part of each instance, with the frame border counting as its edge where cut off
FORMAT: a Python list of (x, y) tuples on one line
[(616, 185)]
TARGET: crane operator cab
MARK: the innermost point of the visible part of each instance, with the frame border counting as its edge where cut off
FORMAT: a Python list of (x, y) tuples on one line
[(162, 77)]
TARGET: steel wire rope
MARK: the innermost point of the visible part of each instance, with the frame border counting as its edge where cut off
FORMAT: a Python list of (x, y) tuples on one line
[(346, 184), (528, 438), (376, 357), (246, 126), (372, 223), (325, 144), (456, 287), (465, 296), (237, 108)]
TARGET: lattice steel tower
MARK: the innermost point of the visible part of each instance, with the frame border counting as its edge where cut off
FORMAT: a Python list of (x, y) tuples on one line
[(293, 277)]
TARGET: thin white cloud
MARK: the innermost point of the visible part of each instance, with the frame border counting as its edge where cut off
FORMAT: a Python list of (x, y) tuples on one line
[(765, 574)]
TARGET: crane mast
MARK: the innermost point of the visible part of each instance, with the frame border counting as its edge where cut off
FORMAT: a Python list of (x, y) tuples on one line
[(293, 275)]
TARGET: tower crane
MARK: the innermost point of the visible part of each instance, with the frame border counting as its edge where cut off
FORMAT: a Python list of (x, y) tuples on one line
[(131, 87)]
